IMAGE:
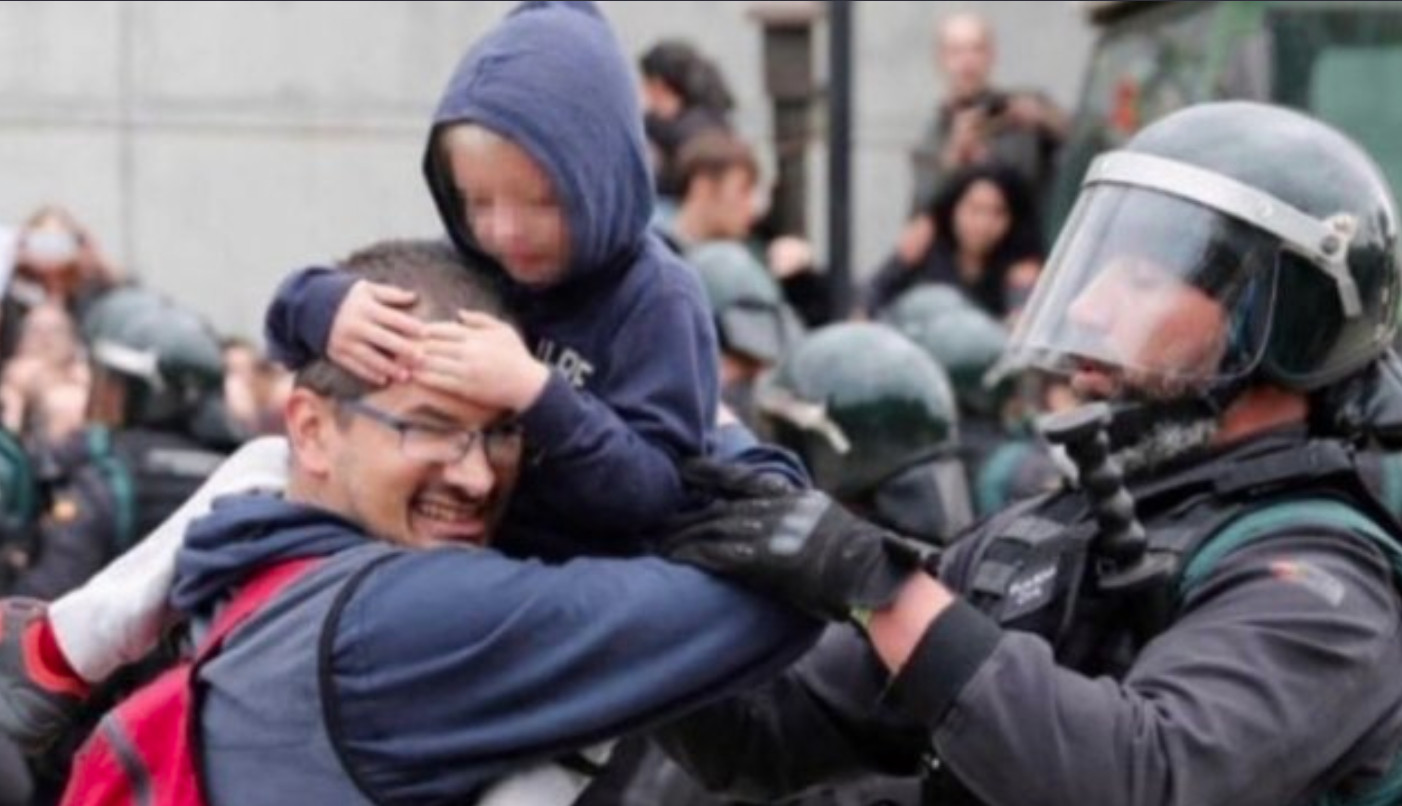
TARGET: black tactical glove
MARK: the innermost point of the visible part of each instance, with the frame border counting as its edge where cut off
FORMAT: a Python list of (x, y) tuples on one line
[(798, 545)]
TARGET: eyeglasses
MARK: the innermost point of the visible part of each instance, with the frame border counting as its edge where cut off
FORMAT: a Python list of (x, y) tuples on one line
[(501, 442)]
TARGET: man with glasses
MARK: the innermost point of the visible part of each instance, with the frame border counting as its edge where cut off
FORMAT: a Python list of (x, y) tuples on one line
[(411, 662)]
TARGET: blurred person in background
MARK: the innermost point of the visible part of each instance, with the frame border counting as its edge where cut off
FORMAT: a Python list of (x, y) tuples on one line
[(253, 388), (49, 358), (57, 261), (977, 123), (152, 439), (986, 241), (684, 95)]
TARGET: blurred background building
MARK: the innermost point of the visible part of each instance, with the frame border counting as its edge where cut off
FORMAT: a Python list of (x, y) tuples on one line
[(212, 147)]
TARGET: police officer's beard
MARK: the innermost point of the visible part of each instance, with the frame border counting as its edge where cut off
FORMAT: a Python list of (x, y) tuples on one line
[(1167, 442)]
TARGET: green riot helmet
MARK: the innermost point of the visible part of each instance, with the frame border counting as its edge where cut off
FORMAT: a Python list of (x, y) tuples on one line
[(1226, 244), (166, 359), (925, 302), (873, 418), (967, 342), (751, 316)]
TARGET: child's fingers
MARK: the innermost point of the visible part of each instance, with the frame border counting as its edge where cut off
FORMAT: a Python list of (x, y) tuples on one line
[(444, 331), (394, 345), (440, 381), (448, 365), (477, 320), (369, 364), (397, 321), (392, 295)]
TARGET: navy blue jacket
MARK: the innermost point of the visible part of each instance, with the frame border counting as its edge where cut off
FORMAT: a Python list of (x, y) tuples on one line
[(628, 331), (392, 675)]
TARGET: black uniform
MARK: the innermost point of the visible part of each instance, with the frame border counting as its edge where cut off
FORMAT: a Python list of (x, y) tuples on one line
[(1066, 697), (109, 490)]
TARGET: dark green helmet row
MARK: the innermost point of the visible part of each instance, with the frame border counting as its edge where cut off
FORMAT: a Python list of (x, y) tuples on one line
[(962, 338), (167, 356), (873, 418), (751, 316)]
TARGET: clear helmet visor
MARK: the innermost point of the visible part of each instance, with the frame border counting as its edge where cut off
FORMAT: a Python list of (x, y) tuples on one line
[(1149, 294)]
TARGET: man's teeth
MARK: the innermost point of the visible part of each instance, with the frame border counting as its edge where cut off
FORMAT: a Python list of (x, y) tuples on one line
[(446, 512)]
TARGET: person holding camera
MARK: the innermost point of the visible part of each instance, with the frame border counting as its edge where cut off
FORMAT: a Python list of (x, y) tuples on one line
[(978, 124)]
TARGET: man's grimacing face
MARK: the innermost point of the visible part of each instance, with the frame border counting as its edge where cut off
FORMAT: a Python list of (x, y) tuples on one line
[(368, 478)]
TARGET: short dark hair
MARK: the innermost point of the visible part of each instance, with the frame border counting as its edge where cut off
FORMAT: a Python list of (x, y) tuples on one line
[(444, 282), (712, 153)]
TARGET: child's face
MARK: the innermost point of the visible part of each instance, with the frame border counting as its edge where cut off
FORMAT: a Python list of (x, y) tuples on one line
[(510, 206)]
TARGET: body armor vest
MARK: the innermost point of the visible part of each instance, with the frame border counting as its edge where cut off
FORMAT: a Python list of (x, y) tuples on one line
[(1035, 567)]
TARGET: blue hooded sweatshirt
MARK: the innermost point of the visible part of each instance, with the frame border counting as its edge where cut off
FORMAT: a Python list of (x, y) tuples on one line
[(395, 675), (635, 381)]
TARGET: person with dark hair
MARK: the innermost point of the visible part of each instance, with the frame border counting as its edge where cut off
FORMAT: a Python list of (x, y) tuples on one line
[(719, 174), (987, 243), (684, 95)]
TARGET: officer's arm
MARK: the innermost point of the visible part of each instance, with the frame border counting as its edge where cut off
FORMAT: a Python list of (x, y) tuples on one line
[(1280, 665), (817, 723)]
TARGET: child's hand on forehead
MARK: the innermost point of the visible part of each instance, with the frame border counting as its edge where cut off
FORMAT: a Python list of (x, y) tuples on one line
[(480, 359), (373, 335)]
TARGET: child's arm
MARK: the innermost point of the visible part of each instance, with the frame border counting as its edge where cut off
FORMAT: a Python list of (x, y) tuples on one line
[(605, 455), (356, 323), (610, 450)]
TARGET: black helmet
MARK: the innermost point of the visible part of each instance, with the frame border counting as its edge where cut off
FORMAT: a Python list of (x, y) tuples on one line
[(167, 357), (1227, 242), (965, 341), (750, 313), (873, 418)]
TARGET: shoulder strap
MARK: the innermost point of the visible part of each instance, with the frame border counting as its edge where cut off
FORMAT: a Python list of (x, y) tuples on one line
[(1326, 512), (119, 482), (265, 583)]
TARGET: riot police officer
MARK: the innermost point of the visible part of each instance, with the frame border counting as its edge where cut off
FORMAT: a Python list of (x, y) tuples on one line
[(874, 420), (156, 432), (754, 326), (1004, 462), (1219, 623)]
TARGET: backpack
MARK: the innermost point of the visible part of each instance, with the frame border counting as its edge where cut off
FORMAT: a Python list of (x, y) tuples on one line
[(145, 752)]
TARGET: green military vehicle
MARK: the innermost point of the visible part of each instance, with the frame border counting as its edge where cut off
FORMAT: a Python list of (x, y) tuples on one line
[(1339, 60)]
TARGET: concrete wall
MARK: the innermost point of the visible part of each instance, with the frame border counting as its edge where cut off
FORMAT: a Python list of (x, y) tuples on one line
[(214, 146)]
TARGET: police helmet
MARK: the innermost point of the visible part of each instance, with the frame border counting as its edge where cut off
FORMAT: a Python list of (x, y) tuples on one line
[(1226, 243), (965, 341), (167, 357), (751, 316), (873, 418)]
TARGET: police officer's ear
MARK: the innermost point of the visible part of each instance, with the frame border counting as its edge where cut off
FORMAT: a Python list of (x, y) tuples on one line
[(312, 432)]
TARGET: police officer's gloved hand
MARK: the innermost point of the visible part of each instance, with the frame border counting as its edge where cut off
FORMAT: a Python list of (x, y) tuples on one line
[(798, 545)]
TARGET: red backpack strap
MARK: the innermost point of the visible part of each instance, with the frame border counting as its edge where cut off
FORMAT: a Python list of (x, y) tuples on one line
[(145, 751), (263, 585)]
